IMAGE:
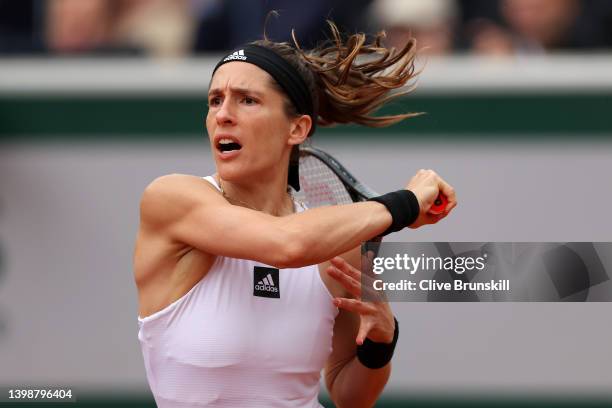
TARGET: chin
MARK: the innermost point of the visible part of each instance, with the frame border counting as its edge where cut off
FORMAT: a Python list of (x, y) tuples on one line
[(230, 172)]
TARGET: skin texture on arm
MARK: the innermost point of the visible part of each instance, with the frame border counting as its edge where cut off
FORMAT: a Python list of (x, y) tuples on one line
[(188, 210)]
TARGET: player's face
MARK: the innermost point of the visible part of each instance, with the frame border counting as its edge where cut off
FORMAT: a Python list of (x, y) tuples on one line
[(246, 122)]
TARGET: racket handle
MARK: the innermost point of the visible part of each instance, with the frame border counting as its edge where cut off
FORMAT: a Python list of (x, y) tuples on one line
[(439, 205)]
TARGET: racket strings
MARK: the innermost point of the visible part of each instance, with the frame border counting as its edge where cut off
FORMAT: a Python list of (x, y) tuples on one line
[(319, 184)]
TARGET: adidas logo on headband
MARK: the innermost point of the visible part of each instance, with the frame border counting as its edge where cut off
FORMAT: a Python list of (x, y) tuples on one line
[(236, 55)]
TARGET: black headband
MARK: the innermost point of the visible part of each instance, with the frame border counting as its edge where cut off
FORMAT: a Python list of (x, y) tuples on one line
[(284, 73), (289, 80)]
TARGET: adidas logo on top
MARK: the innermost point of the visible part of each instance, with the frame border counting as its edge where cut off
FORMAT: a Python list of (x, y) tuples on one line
[(265, 282), (236, 55)]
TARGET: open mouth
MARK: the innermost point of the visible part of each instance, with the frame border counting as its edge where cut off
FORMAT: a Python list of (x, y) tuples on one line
[(228, 145)]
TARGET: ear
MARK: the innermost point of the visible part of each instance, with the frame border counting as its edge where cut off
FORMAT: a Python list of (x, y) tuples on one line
[(300, 127)]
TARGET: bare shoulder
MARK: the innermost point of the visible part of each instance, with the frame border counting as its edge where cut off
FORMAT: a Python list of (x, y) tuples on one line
[(174, 180), (164, 203), (169, 195), (165, 268)]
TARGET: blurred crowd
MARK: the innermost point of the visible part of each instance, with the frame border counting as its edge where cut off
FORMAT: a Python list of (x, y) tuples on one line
[(172, 28)]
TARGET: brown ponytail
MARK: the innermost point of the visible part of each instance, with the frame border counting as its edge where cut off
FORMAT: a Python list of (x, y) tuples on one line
[(350, 79)]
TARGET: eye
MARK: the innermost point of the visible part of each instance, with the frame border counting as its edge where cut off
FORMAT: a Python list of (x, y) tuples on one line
[(214, 101), (249, 101)]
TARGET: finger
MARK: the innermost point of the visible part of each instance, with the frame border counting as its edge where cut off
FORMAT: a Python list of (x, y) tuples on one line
[(368, 278), (353, 286), (364, 329), (450, 194), (371, 295), (354, 305), (367, 275), (346, 268), (433, 218), (361, 280)]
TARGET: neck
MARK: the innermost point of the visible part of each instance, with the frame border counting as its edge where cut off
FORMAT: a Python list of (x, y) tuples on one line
[(268, 196)]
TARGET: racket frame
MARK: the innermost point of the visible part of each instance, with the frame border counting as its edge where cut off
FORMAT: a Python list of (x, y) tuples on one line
[(357, 190)]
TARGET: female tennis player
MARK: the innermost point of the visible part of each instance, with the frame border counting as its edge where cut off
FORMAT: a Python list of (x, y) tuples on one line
[(244, 295)]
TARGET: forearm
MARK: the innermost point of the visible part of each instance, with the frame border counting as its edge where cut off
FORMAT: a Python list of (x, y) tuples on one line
[(329, 231), (359, 386)]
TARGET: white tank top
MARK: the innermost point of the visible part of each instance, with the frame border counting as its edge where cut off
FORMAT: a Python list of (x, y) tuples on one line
[(246, 335)]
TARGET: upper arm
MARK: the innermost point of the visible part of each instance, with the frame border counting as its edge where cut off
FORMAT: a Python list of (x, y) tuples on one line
[(187, 209)]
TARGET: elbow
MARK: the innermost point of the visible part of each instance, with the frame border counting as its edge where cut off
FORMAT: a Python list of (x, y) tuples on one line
[(354, 400), (353, 385)]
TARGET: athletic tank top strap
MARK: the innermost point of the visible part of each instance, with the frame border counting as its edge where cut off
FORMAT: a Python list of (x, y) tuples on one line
[(212, 181)]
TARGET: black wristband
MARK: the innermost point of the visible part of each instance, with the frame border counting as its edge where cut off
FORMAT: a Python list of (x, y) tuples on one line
[(377, 355), (403, 206)]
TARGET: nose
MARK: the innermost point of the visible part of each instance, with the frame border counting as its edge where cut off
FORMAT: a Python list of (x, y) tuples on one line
[(225, 114)]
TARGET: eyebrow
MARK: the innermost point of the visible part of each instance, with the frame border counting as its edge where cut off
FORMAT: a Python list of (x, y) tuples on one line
[(240, 91)]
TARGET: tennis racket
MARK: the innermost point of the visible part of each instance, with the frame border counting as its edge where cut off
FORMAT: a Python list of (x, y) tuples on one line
[(324, 181)]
